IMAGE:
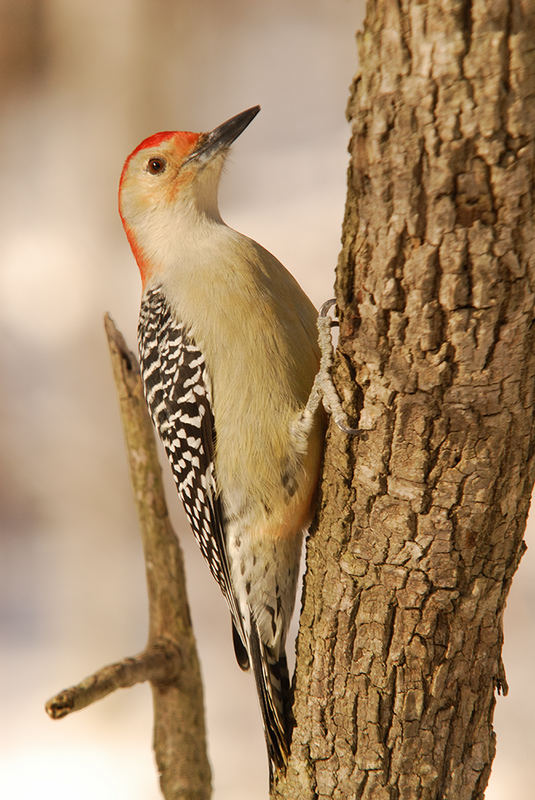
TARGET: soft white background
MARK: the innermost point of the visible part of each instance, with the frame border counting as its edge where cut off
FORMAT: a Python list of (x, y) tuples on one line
[(80, 85)]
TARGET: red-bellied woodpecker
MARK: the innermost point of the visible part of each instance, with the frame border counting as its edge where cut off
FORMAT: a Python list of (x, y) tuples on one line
[(228, 349)]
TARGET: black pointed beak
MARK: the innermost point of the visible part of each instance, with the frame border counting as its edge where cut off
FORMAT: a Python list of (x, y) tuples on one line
[(222, 137)]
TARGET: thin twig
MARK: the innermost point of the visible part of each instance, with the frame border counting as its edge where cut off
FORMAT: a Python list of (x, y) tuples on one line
[(154, 664)]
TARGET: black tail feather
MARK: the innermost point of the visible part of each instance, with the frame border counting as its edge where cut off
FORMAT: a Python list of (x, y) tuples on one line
[(240, 651), (273, 687)]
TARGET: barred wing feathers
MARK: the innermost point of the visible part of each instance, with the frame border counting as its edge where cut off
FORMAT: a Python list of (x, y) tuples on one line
[(178, 394)]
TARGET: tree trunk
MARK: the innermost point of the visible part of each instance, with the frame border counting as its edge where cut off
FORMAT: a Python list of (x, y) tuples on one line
[(422, 516)]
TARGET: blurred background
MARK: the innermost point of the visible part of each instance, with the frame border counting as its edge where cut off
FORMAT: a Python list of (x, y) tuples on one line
[(80, 85)]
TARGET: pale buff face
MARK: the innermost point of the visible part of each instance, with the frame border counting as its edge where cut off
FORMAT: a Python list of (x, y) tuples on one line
[(168, 194), (155, 172), (162, 190)]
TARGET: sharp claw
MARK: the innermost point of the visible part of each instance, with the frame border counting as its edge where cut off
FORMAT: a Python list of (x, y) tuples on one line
[(348, 431), (326, 307), (323, 385)]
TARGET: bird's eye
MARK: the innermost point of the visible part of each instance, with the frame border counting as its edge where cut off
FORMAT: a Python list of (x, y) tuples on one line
[(156, 165)]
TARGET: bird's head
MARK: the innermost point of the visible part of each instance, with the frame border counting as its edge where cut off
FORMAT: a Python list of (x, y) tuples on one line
[(173, 176)]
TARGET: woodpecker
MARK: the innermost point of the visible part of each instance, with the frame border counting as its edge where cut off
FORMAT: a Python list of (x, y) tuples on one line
[(228, 355)]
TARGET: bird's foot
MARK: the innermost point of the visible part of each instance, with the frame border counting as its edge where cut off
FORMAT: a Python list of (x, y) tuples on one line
[(323, 389)]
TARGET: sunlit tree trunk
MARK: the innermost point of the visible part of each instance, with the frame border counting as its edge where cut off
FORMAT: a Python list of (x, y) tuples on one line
[(422, 516)]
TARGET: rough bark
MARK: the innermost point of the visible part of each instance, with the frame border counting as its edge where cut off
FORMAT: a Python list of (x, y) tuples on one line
[(422, 518)]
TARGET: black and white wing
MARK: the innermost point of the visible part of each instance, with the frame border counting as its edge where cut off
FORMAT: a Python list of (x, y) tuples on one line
[(178, 394)]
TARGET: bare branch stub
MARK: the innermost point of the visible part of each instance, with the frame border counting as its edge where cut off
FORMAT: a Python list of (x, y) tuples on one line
[(156, 664), (179, 732), (170, 660)]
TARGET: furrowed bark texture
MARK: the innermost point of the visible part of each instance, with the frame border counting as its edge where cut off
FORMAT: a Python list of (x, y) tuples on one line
[(422, 518)]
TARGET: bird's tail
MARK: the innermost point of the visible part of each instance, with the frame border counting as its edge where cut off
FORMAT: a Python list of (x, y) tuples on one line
[(273, 688)]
